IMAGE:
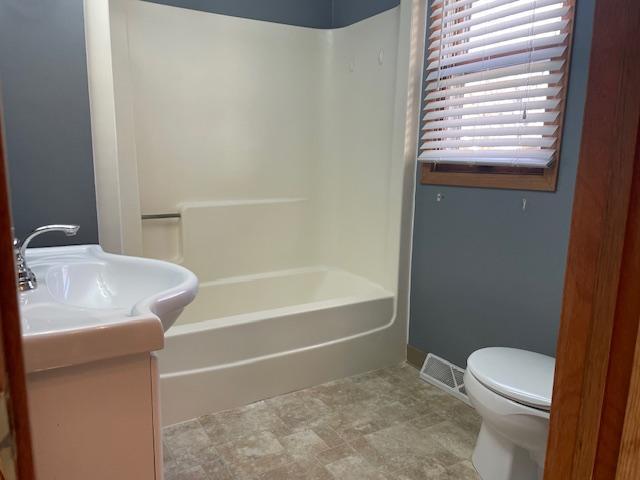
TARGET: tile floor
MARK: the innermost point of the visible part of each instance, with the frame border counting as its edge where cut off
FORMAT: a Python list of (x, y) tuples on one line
[(382, 425)]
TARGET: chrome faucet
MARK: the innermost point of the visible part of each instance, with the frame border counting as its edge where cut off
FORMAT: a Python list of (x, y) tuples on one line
[(26, 278)]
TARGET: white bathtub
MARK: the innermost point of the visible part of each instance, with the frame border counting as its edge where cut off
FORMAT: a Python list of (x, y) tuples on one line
[(252, 337)]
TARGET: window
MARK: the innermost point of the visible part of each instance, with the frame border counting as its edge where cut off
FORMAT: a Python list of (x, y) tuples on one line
[(495, 83)]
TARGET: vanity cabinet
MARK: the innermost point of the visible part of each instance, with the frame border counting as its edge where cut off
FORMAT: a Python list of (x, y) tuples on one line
[(89, 331), (97, 421)]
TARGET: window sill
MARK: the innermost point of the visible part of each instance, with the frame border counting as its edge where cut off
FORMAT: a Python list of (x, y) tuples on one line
[(546, 182)]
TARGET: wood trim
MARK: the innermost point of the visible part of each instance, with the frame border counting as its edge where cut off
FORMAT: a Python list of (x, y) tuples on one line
[(629, 460), (546, 182), (10, 332), (623, 338), (415, 357), (598, 306)]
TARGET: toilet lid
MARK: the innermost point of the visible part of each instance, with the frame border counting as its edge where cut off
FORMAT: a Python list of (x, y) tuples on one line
[(522, 376)]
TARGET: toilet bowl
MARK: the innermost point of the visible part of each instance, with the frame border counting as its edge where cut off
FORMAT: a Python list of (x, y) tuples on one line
[(511, 391)]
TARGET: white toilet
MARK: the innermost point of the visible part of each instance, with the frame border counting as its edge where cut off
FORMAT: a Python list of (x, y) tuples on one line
[(511, 390)]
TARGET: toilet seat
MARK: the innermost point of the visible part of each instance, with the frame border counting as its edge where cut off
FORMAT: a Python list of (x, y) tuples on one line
[(518, 375)]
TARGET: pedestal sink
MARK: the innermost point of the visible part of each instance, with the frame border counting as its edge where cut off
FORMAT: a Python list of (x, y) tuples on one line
[(89, 332)]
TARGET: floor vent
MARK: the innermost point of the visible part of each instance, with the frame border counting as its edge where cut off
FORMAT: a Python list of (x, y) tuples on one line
[(444, 375)]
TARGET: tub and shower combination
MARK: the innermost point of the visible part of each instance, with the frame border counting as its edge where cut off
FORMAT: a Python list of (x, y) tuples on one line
[(281, 151)]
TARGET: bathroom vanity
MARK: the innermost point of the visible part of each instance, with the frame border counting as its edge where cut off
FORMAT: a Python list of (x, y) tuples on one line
[(97, 420), (90, 329)]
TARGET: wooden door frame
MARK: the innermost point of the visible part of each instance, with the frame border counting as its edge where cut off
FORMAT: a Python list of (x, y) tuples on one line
[(601, 306), (629, 456), (12, 372)]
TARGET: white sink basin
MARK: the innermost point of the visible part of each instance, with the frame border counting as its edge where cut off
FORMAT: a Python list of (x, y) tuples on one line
[(92, 305)]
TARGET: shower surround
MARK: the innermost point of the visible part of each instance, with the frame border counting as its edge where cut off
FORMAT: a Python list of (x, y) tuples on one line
[(282, 149)]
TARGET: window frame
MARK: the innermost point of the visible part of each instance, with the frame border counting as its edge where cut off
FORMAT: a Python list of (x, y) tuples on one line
[(516, 178)]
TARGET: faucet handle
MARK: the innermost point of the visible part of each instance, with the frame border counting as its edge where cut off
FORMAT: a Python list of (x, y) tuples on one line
[(17, 250), (25, 277)]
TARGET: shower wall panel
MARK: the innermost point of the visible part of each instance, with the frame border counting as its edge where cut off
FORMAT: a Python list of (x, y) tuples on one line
[(273, 141), (354, 193), (226, 111)]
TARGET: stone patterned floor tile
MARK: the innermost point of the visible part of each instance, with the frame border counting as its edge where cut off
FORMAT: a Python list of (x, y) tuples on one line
[(352, 420), (381, 425), (427, 420), (167, 457), (303, 411), (379, 384), (407, 378), (354, 468), (465, 417), (254, 455), (327, 434), (414, 473), (342, 424), (336, 453), (400, 411), (196, 456), (298, 410), (193, 473), (403, 447), (231, 425), (453, 438), (303, 444), (185, 436), (460, 471), (217, 470), (350, 429), (340, 393), (298, 471)]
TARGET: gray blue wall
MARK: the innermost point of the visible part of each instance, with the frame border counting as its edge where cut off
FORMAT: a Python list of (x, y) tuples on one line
[(43, 80), (43, 85), (346, 12), (305, 13), (486, 273)]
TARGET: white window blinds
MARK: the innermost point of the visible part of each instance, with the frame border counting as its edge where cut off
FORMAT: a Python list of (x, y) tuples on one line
[(495, 82)]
